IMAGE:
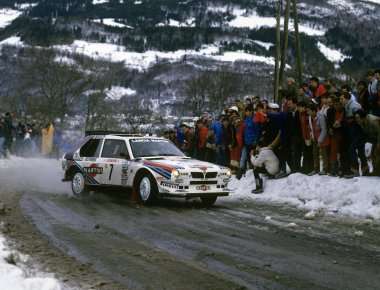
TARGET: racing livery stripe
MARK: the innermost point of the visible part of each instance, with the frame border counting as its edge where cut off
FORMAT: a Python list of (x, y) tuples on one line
[(165, 167), (90, 179), (160, 171)]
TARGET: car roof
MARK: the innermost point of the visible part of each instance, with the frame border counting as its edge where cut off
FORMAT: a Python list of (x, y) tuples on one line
[(126, 136)]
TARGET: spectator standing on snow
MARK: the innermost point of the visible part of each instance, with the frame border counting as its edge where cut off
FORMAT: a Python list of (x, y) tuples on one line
[(201, 140), (238, 144), (353, 139), (251, 133), (293, 136), (371, 127), (217, 127), (335, 118), (323, 137), (314, 135)]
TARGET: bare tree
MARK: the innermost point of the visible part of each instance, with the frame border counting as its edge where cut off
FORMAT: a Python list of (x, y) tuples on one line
[(298, 43), (278, 50), (285, 42), (55, 85), (196, 90)]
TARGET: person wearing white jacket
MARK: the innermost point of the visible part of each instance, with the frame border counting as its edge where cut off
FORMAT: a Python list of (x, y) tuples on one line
[(265, 162)]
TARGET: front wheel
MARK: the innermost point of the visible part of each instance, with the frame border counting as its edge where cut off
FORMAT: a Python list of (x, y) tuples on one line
[(147, 189), (78, 185), (209, 201)]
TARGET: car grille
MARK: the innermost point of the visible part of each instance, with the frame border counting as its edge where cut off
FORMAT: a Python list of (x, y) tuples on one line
[(200, 175), (203, 182)]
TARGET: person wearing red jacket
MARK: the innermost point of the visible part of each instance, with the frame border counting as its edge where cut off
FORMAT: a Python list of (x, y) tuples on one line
[(201, 140), (318, 90), (307, 148)]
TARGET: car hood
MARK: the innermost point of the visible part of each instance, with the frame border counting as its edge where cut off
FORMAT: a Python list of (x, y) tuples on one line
[(179, 163)]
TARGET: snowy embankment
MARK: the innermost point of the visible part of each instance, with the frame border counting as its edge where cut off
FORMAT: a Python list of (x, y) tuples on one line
[(14, 275), (358, 197)]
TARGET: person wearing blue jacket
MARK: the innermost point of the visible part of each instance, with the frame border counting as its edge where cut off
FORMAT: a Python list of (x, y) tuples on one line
[(251, 134), (217, 128)]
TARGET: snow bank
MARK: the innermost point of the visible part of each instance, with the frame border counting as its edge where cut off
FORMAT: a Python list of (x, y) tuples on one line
[(12, 277), (7, 16), (358, 197), (34, 174)]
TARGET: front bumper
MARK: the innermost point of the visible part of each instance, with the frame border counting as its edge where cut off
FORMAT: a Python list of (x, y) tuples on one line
[(193, 195)]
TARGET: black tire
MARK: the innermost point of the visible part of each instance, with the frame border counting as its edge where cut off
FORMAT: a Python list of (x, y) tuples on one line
[(146, 188), (78, 185), (209, 201)]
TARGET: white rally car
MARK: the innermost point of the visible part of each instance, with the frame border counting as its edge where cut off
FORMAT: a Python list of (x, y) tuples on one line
[(153, 167)]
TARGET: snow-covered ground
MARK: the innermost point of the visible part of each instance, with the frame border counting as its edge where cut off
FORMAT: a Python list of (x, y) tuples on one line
[(111, 22), (97, 2), (358, 197), (7, 16), (18, 276), (175, 23), (333, 55), (22, 175), (117, 92), (144, 60), (254, 21)]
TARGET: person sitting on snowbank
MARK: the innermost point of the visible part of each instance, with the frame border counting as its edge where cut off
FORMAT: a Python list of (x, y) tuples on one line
[(265, 162)]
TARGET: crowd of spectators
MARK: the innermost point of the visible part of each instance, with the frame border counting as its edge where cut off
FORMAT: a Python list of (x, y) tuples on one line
[(315, 128)]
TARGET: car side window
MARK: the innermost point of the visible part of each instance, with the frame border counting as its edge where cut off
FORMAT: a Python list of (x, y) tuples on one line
[(91, 148), (115, 149)]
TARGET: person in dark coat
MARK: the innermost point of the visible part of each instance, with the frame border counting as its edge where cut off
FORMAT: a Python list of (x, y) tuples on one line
[(293, 139), (363, 95)]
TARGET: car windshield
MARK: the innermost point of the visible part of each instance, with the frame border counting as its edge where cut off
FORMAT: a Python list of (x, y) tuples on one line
[(154, 147)]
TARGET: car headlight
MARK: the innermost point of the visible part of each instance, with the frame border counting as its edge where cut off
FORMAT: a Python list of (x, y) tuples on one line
[(229, 173), (175, 173)]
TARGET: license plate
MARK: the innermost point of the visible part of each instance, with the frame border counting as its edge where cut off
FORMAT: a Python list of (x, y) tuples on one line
[(203, 187)]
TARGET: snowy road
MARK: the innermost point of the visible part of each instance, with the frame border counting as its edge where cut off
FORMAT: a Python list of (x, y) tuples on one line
[(236, 245)]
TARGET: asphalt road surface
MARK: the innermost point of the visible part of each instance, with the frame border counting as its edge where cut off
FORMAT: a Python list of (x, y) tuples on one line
[(178, 245)]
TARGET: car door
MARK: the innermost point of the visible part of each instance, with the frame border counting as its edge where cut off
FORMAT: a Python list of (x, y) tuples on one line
[(114, 160), (87, 159)]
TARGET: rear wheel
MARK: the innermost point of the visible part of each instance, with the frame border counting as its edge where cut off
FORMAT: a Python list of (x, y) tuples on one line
[(78, 185), (209, 201), (147, 189)]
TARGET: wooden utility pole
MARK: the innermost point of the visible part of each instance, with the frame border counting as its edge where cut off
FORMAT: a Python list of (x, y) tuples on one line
[(298, 44), (278, 51), (285, 42)]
